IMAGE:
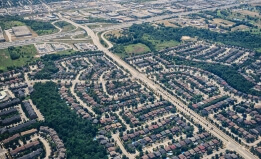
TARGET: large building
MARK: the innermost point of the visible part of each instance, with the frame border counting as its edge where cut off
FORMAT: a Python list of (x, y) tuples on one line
[(2, 38), (20, 31)]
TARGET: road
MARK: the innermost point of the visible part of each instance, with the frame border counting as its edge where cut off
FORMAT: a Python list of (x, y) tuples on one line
[(72, 89), (120, 26), (228, 141), (118, 141), (60, 29), (47, 146), (157, 18), (39, 39)]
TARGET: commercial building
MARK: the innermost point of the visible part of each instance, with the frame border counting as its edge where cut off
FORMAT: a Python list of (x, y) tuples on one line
[(20, 31)]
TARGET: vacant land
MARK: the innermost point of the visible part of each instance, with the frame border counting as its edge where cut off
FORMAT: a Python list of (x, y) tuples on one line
[(250, 13), (223, 22), (116, 33), (13, 23), (66, 52), (22, 56), (65, 26), (240, 27), (41, 28), (136, 48), (166, 23), (160, 44)]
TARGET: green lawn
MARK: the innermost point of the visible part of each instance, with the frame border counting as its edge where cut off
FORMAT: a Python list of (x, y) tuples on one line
[(27, 55)]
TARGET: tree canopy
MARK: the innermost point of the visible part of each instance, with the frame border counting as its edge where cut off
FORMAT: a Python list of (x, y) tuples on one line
[(76, 133)]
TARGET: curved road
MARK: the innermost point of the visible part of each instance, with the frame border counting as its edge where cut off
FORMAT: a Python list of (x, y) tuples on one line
[(227, 140)]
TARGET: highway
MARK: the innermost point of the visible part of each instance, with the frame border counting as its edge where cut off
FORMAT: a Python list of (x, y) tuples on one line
[(114, 27), (161, 17), (39, 39), (227, 140)]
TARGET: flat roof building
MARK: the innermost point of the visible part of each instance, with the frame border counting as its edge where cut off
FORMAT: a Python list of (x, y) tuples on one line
[(20, 31)]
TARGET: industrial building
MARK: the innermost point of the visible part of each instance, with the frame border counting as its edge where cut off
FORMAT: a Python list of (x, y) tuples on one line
[(20, 31)]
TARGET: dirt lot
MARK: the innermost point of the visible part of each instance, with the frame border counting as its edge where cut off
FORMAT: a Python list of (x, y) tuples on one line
[(223, 22), (240, 27), (166, 23), (116, 33), (250, 13)]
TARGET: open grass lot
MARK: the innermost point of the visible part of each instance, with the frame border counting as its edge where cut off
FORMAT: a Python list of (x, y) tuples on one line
[(166, 23), (223, 22), (41, 28), (116, 33), (13, 23), (250, 13), (80, 36), (27, 55), (159, 44), (166, 44), (64, 26), (66, 52), (240, 28), (133, 49), (136, 48), (46, 32)]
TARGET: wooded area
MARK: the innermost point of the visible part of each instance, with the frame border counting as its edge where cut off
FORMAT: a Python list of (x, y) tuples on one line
[(41, 28), (77, 133)]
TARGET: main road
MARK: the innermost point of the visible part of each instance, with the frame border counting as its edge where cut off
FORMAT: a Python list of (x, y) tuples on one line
[(119, 26), (39, 39), (161, 17), (227, 140)]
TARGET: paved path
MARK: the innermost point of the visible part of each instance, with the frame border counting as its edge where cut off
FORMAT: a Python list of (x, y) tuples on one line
[(119, 143), (72, 89), (46, 146)]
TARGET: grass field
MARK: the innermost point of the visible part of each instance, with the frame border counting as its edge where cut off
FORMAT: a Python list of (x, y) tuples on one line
[(27, 55), (136, 48), (158, 44), (41, 28), (10, 24), (116, 33), (166, 23), (166, 44), (223, 22), (240, 28), (65, 26), (250, 13), (66, 52), (80, 36)]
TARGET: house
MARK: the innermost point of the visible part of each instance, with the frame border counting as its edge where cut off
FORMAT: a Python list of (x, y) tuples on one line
[(151, 155)]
